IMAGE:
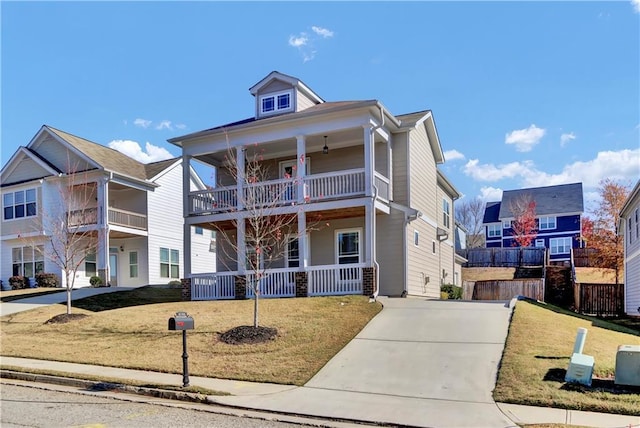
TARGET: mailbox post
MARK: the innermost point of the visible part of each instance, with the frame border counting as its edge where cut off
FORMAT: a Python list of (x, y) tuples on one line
[(183, 322)]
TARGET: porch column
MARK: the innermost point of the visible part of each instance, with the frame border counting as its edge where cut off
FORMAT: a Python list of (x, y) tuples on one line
[(240, 159), (241, 244), (301, 168), (370, 227), (102, 247), (186, 233), (302, 240), (187, 250), (390, 168), (369, 160)]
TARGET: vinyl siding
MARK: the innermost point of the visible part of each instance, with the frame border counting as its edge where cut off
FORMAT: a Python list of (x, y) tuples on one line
[(390, 252), (57, 154), (323, 241), (27, 224), (26, 169), (632, 260), (202, 260), (130, 245), (302, 102)]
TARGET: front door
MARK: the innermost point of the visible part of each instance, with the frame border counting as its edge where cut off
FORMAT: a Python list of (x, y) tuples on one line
[(113, 267)]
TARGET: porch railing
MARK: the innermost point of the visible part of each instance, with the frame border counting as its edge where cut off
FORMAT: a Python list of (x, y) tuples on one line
[(283, 191), (332, 280), (333, 185), (213, 286), (274, 283), (127, 218), (84, 217), (382, 184)]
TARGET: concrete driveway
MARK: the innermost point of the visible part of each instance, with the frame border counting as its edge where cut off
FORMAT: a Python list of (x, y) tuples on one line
[(417, 363)]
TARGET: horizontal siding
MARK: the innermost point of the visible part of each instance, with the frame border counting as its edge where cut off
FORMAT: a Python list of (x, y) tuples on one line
[(400, 171), (390, 252), (57, 154), (423, 174), (27, 169), (632, 285), (24, 225)]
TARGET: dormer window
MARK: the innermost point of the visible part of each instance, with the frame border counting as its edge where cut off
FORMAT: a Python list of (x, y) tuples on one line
[(275, 103)]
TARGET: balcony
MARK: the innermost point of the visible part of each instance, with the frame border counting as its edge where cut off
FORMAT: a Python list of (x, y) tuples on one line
[(118, 217), (317, 188)]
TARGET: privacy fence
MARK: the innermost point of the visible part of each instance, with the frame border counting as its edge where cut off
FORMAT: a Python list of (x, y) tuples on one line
[(503, 257)]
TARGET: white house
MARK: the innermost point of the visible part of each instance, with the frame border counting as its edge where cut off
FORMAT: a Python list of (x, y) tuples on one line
[(133, 211), (371, 175), (630, 230)]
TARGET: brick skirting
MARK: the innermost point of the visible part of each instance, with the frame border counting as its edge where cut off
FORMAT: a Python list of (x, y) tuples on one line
[(241, 287), (369, 285), (186, 289), (302, 284)]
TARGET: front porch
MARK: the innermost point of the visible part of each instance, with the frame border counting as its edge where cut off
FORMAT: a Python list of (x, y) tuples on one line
[(324, 280)]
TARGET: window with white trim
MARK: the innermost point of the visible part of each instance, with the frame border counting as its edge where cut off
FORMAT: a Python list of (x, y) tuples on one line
[(446, 213), (169, 263), (348, 246), (547, 223), (199, 230), (19, 204), (416, 238), (637, 225), (133, 264), (494, 230), (630, 230), (560, 245), (274, 103), (506, 224), (90, 265), (293, 253), (433, 247), (27, 261), (539, 243)]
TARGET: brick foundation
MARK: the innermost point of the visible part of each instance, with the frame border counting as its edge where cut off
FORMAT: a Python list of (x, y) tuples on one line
[(369, 285), (241, 287), (302, 284), (186, 289)]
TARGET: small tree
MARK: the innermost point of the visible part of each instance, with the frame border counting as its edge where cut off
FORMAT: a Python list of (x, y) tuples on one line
[(470, 214), (524, 226), (601, 232), (267, 230)]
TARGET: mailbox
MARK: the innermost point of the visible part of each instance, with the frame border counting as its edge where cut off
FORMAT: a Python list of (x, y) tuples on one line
[(181, 321)]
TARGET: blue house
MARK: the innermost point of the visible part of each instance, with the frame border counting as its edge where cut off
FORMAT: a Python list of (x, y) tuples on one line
[(558, 210)]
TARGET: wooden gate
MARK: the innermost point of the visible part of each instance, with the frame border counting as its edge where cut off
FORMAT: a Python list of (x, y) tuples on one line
[(603, 300)]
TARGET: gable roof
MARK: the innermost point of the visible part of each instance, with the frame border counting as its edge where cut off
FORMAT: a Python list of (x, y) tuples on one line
[(550, 200), (293, 81), (155, 168), (411, 120), (491, 212)]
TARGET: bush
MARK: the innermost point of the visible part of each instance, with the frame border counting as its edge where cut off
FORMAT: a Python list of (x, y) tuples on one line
[(175, 284), (47, 280), (453, 292), (96, 281), (18, 282)]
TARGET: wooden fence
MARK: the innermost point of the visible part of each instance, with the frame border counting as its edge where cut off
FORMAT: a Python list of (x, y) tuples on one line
[(503, 257), (503, 289), (603, 300), (585, 257)]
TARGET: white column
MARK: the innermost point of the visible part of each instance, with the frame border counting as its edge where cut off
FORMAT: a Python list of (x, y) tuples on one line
[(240, 159), (302, 240), (369, 226), (102, 250), (369, 160), (186, 233), (301, 167), (241, 245), (187, 249), (390, 168)]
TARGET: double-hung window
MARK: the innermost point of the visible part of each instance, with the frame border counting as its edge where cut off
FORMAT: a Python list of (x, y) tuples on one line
[(169, 263), (446, 213), (348, 246), (19, 204), (293, 253), (494, 230), (560, 245), (133, 264), (547, 223), (27, 261), (90, 265)]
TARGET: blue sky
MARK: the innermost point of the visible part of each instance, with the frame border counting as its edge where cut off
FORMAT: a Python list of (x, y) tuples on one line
[(524, 94)]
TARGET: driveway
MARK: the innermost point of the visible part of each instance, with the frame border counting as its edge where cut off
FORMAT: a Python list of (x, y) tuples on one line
[(417, 363)]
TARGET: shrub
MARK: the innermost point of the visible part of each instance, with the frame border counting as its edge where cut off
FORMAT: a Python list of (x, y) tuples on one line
[(454, 292), (175, 284), (444, 295), (18, 282), (95, 281), (47, 280)]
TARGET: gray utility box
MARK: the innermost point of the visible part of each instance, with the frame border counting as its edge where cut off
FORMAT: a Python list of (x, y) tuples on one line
[(628, 365), (181, 321)]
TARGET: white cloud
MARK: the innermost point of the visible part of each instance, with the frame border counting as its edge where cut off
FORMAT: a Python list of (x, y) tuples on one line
[(525, 139), (165, 124), (453, 155), (133, 150), (298, 41), (181, 126), (565, 138), (490, 194), (322, 32), (143, 123), (636, 5), (490, 172)]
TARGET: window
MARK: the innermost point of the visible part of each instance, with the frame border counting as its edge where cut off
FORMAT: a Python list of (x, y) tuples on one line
[(494, 231), (27, 261), (630, 231), (416, 237), (637, 225), (169, 263), (19, 204), (199, 230), (539, 243), (560, 245), (90, 265), (293, 253), (506, 224), (274, 103), (546, 223), (348, 246), (445, 213), (433, 247), (133, 264)]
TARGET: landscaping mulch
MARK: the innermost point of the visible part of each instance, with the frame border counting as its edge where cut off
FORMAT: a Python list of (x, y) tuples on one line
[(65, 318), (248, 334)]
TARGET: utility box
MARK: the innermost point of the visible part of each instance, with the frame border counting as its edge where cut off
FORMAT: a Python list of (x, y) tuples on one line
[(628, 365), (580, 369), (181, 321)]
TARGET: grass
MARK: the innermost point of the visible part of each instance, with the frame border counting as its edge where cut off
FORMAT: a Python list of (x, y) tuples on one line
[(537, 353), (25, 293), (117, 333), (591, 275), (487, 273)]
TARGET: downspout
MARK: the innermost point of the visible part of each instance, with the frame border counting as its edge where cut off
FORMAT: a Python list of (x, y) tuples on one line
[(375, 197)]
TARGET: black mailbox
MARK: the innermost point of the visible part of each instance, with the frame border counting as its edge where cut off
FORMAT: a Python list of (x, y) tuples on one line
[(181, 321)]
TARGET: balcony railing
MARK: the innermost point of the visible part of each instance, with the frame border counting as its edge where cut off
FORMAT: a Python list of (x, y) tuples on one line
[(317, 188), (89, 216)]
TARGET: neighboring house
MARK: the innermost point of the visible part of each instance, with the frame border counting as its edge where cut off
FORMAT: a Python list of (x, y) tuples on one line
[(133, 211), (460, 249), (558, 211), (630, 230), (372, 175)]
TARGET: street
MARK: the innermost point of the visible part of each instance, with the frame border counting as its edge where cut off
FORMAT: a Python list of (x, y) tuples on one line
[(23, 406)]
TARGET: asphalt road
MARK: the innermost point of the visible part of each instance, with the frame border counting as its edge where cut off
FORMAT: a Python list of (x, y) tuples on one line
[(25, 406)]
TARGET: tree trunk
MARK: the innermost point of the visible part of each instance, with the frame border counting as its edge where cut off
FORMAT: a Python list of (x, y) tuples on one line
[(69, 287), (255, 309)]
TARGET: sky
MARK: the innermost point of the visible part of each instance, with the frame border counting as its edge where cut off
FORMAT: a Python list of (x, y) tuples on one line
[(524, 94)]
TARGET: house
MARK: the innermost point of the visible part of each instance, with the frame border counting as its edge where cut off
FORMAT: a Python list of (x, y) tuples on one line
[(558, 211), (373, 177), (630, 230), (132, 210)]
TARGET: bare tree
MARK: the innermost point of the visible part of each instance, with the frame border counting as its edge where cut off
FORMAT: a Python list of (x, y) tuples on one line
[(268, 231), (66, 226), (524, 226), (470, 214)]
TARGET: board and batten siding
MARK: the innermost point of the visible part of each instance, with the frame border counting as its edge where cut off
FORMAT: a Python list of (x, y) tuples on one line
[(165, 222)]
